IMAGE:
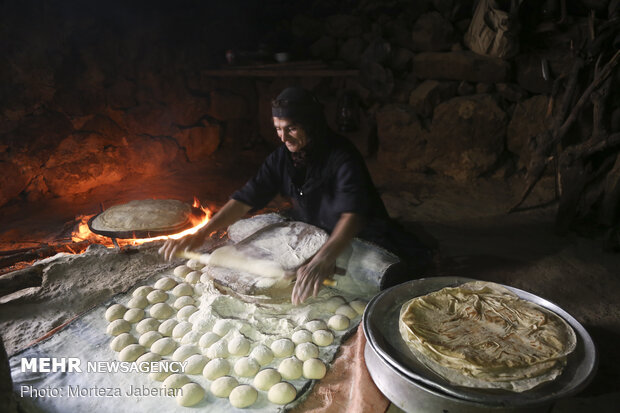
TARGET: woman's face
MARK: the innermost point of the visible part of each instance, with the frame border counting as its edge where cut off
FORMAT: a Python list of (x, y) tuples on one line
[(291, 134)]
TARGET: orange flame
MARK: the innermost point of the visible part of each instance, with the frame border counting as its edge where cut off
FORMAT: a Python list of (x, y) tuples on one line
[(83, 233)]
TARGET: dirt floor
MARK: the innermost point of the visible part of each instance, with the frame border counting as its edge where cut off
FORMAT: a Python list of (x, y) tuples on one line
[(469, 223)]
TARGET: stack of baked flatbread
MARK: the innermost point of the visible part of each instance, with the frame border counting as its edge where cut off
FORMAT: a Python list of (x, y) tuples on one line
[(144, 215), (482, 335)]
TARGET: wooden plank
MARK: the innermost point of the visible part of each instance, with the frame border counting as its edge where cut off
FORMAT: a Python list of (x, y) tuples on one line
[(280, 73)]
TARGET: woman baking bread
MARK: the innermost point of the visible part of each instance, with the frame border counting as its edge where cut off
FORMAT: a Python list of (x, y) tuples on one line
[(328, 183)]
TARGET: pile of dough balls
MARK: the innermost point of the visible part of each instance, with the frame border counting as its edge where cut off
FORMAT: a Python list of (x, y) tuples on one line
[(155, 324)]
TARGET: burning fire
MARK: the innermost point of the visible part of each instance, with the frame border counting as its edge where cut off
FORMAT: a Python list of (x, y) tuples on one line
[(83, 233)]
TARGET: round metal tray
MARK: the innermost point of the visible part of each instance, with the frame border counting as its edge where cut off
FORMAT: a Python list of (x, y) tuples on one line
[(197, 213), (411, 396), (380, 324)]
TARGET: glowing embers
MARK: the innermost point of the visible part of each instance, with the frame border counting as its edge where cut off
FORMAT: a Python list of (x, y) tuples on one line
[(84, 232)]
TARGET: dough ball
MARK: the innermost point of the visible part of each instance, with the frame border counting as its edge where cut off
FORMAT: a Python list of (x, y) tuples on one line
[(265, 282), (222, 386), (338, 322), (163, 346), (181, 329), (147, 339), (183, 301), (190, 394), (218, 350), (216, 368), (185, 312), (165, 284), (243, 396), (246, 367), (131, 352), (347, 311), (182, 270), (148, 358), (167, 327), (283, 347), (359, 306), (175, 381), (142, 291), (117, 327), (239, 346), (290, 368), (322, 337), (157, 296), (182, 289), (121, 341), (161, 311), (306, 351), (193, 277), (148, 324), (301, 336), (133, 315), (138, 302), (266, 378), (333, 303), (115, 311), (191, 338), (208, 339), (195, 363), (314, 325), (314, 369), (183, 352), (161, 371), (282, 393), (262, 354), (222, 327), (194, 264)]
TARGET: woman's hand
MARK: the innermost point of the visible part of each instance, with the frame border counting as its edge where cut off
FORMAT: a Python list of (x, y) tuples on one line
[(310, 278), (188, 242)]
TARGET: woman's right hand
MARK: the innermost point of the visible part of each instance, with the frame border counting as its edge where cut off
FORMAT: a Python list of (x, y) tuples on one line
[(188, 242)]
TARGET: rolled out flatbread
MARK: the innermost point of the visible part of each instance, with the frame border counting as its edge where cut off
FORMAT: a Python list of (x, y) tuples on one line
[(482, 335), (144, 215)]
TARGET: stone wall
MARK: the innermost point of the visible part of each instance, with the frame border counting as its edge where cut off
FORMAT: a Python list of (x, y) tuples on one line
[(95, 95)]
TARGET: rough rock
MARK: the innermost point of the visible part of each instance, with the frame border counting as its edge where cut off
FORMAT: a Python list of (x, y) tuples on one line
[(460, 65), (226, 105), (12, 182), (343, 26), (484, 87), (401, 137), (398, 33), (199, 141), (351, 50), (528, 120), (510, 91), (186, 109), (400, 59), (325, 48), (103, 125), (429, 94), (121, 94), (465, 88), (432, 33), (467, 136), (150, 118), (84, 161), (378, 79)]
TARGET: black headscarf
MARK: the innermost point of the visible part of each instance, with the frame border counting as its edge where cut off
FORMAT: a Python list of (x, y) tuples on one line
[(302, 107)]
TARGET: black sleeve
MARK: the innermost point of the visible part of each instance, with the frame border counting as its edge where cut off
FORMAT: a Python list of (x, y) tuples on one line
[(263, 187), (351, 192)]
